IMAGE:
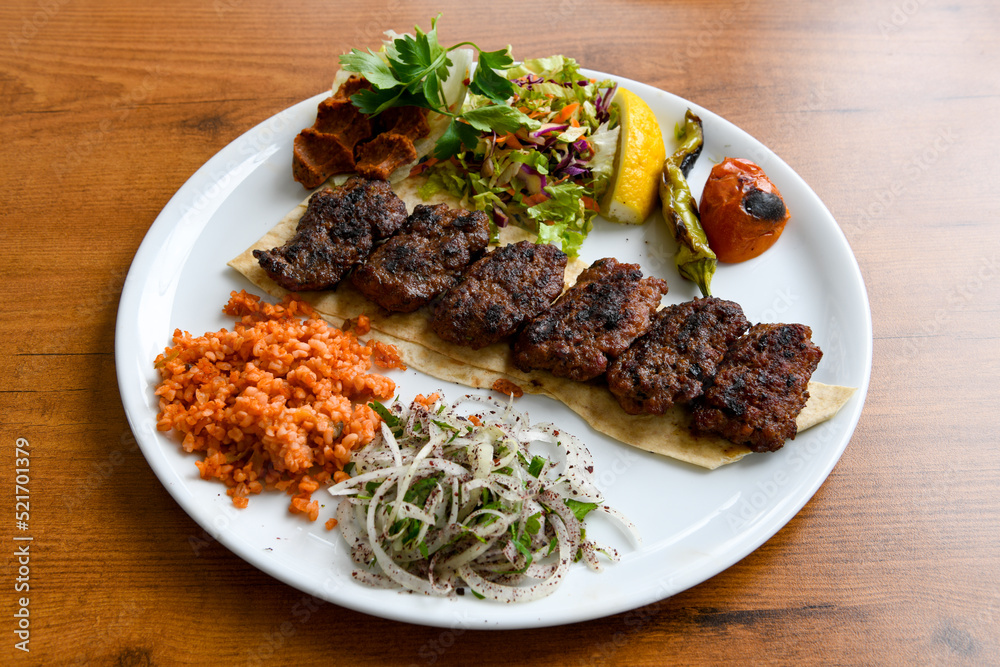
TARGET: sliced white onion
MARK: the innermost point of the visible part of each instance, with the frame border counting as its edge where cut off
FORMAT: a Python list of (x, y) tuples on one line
[(623, 521), (463, 532), (506, 593)]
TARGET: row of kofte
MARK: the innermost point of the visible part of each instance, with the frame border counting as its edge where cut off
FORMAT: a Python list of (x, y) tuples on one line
[(744, 383)]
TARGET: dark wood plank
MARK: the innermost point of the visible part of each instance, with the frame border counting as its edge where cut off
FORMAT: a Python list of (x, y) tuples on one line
[(891, 111)]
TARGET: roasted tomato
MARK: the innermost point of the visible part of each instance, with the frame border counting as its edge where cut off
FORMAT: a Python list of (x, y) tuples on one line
[(741, 210)]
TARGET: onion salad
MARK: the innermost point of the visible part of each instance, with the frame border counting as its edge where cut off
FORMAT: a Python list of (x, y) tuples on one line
[(455, 496)]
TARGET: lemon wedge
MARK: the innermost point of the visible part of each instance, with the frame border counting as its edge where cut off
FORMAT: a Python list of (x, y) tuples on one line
[(634, 191)]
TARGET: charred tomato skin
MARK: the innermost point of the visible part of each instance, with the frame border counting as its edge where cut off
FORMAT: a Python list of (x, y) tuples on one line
[(741, 210)]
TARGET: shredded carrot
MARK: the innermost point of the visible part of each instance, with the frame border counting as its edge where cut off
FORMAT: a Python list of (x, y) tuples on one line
[(566, 112), (536, 198), (588, 202), (510, 140)]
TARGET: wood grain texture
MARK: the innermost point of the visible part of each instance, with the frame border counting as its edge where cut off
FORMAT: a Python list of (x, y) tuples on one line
[(890, 110)]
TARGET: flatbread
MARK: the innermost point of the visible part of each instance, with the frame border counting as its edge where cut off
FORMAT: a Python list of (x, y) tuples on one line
[(421, 349)]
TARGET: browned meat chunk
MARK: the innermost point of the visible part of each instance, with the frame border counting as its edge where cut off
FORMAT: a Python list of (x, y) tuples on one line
[(760, 387), (355, 83), (499, 293), (337, 115), (335, 233), (424, 259), (408, 121), (681, 350), (316, 156), (342, 119), (341, 140), (327, 148), (592, 323), (383, 155)]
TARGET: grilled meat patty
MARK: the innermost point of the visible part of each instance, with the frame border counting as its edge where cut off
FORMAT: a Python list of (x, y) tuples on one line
[(592, 323), (424, 259), (680, 351), (336, 232), (760, 387), (499, 293)]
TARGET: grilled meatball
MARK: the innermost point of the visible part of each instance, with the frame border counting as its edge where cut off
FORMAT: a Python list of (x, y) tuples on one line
[(336, 232), (760, 387), (592, 323), (499, 293), (424, 259), (682, 348)]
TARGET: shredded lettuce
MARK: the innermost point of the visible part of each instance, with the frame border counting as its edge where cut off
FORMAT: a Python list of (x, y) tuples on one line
[(553, 164), (559, 68)]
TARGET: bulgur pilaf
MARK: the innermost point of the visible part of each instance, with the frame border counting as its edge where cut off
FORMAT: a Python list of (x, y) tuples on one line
[(279, 402)]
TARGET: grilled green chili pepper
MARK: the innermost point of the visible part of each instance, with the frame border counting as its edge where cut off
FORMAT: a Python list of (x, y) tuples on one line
[(694, 259)]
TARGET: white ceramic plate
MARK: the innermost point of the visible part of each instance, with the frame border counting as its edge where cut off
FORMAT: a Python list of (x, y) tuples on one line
[(695, 523)]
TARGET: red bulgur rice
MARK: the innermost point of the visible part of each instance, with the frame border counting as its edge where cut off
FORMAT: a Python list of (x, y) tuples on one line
[(279, 402)]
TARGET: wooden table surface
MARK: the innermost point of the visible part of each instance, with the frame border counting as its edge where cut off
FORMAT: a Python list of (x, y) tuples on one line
[(890, 110)]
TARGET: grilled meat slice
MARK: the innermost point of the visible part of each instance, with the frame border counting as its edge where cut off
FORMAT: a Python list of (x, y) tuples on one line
[(336, 232), (424, 259), (760, 387), (592, 323), (670, 362), (499, 293)]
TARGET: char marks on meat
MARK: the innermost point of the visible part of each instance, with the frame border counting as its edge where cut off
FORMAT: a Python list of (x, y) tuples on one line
[(670, 362), (337, 231), (424, 259), (499, 293), (592, 323), (760, 387)]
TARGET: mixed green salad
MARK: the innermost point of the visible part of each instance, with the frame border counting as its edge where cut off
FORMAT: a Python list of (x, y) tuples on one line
[(532, 143)]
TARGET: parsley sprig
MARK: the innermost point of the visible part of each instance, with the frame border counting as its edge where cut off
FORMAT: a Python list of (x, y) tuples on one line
[(411, 71)]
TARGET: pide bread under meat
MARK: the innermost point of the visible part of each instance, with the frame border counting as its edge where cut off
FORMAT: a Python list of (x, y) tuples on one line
[(668, 434)]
